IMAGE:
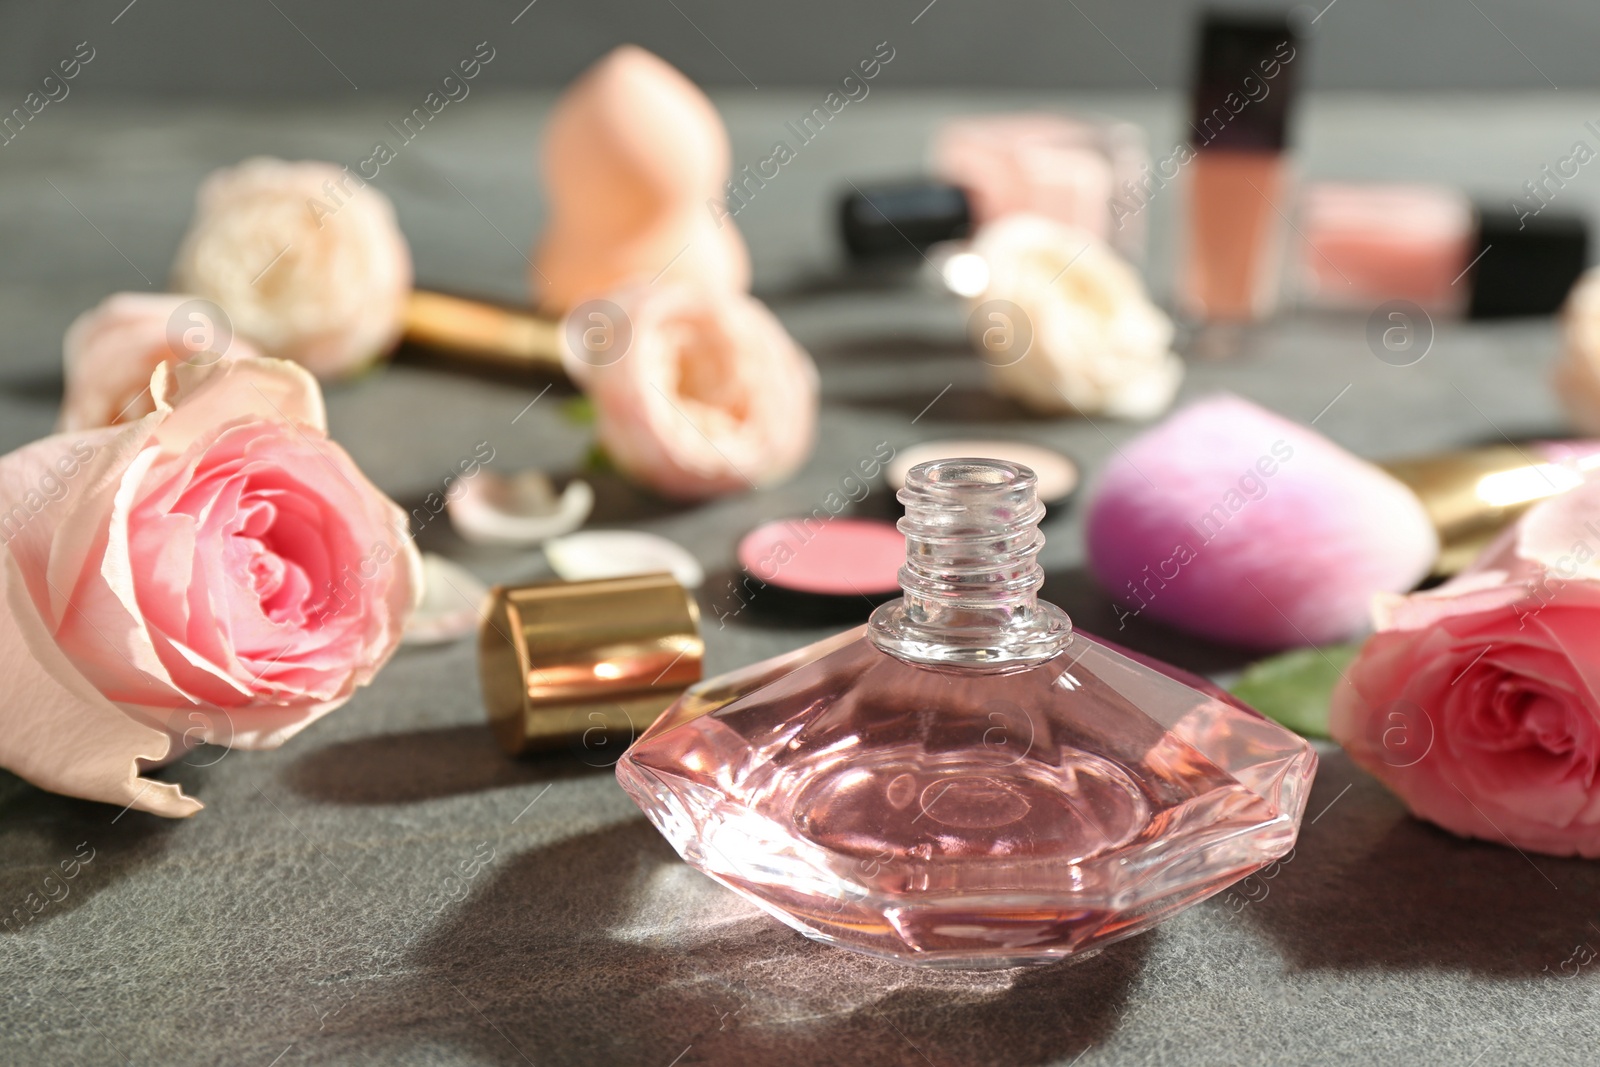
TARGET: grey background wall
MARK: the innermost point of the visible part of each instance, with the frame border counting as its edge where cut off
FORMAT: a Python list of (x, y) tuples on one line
[(318, 48)]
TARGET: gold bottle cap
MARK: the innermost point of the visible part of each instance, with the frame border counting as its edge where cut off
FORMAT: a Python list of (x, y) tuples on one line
[(587, 663)]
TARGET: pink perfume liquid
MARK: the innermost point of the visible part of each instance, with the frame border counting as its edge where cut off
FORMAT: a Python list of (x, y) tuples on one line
[(1017, 795)]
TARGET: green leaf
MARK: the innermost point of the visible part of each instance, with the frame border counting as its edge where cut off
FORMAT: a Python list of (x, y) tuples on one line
[(578, 410), (598, 460), (1293, 688)]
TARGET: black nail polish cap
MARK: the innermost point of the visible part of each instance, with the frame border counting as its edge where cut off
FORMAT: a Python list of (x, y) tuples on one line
[(1244, 83), (1526, 264)]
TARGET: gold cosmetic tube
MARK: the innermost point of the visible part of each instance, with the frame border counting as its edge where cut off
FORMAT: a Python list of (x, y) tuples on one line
[(1473, 495)]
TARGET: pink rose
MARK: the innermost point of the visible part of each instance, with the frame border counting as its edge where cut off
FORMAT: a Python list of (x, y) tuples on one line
[(308, 260), (215, 571), (1478, 702), (697, 391), (111, 350)]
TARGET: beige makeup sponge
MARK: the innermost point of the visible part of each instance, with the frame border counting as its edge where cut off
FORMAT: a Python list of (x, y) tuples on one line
[(635, 159)]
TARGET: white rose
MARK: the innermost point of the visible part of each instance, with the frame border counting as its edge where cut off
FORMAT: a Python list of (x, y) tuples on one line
[(1088, 339), (308, 260), (1577, 373)]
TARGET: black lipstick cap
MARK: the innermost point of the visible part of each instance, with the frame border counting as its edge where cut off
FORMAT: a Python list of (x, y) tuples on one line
[(901, 220)]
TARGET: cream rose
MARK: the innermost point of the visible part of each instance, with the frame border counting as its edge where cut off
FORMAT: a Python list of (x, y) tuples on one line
[(1577, 373), (697, 391), (308, 260), (111, 350), (1066, 325), (215, 571)]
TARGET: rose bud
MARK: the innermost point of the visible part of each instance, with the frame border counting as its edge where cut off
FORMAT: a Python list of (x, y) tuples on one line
[(216, 571), (111, 350), (697, 391), (1065, 325), (307, 259), (1577, 372), (1478, 702)]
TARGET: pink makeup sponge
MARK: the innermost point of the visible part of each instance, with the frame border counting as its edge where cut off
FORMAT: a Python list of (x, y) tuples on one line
[(1233, 523), (633, 157)]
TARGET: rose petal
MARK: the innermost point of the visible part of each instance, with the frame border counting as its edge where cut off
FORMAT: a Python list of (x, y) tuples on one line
[(453, 603), (191, 396), (520, 510), (1562, 533), (620, 553), (61, 734)]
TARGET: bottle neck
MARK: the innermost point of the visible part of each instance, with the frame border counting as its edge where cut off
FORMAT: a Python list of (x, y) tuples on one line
[(971, 577)]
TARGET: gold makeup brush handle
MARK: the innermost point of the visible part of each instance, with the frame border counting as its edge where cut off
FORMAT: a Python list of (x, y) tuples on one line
[(484, 333), (1473, 495)]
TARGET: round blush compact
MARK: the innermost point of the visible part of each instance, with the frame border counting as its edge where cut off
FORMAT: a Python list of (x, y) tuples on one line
[(817, 568), (1058, 474)]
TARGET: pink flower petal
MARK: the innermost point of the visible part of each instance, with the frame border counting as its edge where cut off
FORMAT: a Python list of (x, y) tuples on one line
[(60, 733)]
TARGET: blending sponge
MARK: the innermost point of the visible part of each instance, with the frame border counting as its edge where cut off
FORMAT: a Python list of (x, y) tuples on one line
[(1236, 524)]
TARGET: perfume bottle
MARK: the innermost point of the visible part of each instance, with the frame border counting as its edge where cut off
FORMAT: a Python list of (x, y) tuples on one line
[(966, 781)]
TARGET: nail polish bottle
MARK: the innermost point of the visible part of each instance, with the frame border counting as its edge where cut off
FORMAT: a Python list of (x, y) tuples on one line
[(1239, 175), (1070, 168), (966, 781), (1364, 244)]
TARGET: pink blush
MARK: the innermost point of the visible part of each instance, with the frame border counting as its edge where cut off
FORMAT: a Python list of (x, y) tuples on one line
[(840, 557)]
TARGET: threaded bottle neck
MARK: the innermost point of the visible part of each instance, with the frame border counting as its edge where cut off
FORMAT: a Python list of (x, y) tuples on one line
[(972, 576)]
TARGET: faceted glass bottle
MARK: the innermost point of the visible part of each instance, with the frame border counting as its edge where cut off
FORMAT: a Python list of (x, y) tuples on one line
[(966, 781)]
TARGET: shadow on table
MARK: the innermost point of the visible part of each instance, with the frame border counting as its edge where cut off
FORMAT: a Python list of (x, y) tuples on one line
[(896, 278), (606, 949), (1369, 887), (959, 398), (961, 403), (424, 765), (1077, 593), (412, 354), (62, 851), (619, 501), (886, 348)]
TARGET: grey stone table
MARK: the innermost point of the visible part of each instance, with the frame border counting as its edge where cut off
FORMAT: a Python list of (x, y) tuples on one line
[(305, 916)]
